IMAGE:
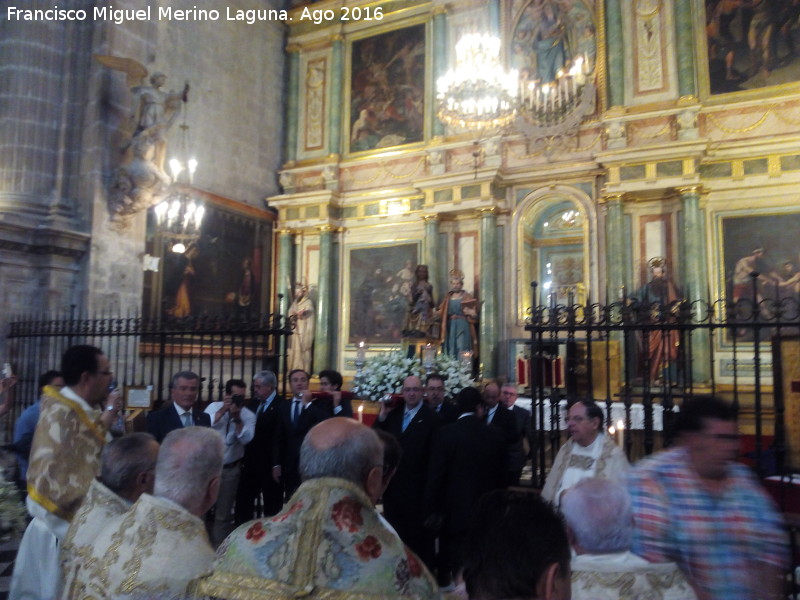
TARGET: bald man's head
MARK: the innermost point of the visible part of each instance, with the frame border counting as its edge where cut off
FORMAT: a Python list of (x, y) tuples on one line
[(341, 448)]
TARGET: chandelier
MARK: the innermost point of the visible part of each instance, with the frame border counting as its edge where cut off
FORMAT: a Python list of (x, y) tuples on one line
[(478, 93), (179, 216)]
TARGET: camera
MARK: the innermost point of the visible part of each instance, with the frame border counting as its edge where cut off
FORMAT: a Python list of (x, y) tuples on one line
[(238, 399)]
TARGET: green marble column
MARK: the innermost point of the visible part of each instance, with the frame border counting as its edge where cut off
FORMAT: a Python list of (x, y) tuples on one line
[(616, 246), (615, 67), (494, 17), (322, 328), (284, 275), (695, 277), (684, 41), (293, 97), (490, 277), (431, 251), (439, 61), (337, 86)]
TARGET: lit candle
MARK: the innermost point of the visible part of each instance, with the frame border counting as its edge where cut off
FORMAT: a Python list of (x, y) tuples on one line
[(361, 413), (361, 351), (621, 429)]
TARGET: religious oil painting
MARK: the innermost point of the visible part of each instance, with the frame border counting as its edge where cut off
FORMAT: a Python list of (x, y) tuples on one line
[(752, 44), (387, 89), (761, 257), (554, 40), (380, 292), (220, 273)]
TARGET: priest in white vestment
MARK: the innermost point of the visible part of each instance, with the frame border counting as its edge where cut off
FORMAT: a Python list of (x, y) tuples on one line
[(65, 458), (588, 453), (127, 471), (160, 545), (600, 527)]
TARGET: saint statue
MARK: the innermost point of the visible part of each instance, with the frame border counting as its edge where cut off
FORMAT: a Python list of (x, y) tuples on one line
[(659, 296), (458, 313), (420, 313), (301, 317)]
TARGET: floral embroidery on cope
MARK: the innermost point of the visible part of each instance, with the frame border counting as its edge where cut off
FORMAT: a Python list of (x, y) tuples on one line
[(369, 548), (414, 568), (256, 532), (346, 514), (294, 508)]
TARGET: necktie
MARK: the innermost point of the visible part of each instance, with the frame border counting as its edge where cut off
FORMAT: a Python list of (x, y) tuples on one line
[(406, 419), (489, 416), (295, 411), (187, 419)]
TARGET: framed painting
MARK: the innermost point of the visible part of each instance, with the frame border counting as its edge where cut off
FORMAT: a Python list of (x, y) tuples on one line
[(750, 45), (380, 291), (762, 243), (224, 272), (387, 89)]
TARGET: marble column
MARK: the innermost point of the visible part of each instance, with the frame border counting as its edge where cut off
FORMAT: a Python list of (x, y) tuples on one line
[(490, 268), (616, 246), (322, 329), (695, 276), (684, 41), (615, 66), (284, 275), (494, 17), (293, 97), (439, 60), (430, 253), (337, 86)]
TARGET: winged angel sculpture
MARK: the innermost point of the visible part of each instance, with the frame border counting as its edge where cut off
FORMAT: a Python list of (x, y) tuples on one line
[(140, 181)]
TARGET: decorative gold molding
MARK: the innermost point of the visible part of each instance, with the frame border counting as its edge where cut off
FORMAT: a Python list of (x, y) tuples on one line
[(610, 197), (439, 10), (324, 228), (487, 211), (690, 189), (433, 217), (293, 47)]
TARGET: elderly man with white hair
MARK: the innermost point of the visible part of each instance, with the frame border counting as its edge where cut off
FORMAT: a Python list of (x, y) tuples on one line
[(159, 546), (600, 528)]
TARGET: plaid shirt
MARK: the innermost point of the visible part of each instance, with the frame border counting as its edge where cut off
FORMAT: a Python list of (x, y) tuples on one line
[(715, 539)]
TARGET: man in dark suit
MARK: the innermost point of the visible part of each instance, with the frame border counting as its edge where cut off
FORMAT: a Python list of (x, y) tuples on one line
[(332, 398), (258, 461), (464, 466), (520, 451), (181, 410), (434, 397), (497, 416), (295, 418), (413, 424)]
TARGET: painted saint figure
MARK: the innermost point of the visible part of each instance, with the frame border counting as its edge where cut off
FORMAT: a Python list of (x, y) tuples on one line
[(421, 304), (301, 315), (458, 313)]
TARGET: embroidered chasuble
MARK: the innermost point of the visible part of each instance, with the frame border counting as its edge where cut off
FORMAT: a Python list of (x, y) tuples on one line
[(65, 455), (625, 575), (604, 459), (152, 551), (98, 508), (329, 543)]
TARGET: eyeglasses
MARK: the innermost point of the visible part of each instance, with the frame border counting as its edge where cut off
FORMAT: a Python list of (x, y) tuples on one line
[(412, 389)]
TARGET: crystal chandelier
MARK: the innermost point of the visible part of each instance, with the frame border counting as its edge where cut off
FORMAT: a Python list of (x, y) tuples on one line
[(555, 109), (479, 93), (179, 216)]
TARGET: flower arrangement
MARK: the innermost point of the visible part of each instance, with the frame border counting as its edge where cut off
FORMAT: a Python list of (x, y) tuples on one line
[(384, 374)]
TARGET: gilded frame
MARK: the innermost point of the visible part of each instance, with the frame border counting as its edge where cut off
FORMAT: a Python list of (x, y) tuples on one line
[(710, 69), (372, 312), (411, 34)]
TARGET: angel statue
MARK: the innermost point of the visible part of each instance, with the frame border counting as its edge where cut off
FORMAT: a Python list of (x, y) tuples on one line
[(140, 180)]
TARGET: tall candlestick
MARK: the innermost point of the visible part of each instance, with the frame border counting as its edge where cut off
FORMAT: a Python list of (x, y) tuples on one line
[(361, 413), (621, 429)]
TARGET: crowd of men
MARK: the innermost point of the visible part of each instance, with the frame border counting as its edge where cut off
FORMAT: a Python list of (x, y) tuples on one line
[(295, 484)]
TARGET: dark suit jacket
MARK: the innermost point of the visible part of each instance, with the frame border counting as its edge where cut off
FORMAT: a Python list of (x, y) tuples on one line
[(463, 467), (448, 413), (517, 455), (404, 498), (289, 437), (257, 463), (165, 419)]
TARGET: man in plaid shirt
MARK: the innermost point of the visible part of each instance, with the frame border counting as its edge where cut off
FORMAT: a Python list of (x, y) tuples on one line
[(694, 505)]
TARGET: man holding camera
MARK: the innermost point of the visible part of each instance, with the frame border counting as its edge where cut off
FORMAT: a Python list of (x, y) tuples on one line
[(236, 424)]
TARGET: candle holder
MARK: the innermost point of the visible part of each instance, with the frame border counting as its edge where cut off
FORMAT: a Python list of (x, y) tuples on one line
[(428, 358), (361, 357)]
